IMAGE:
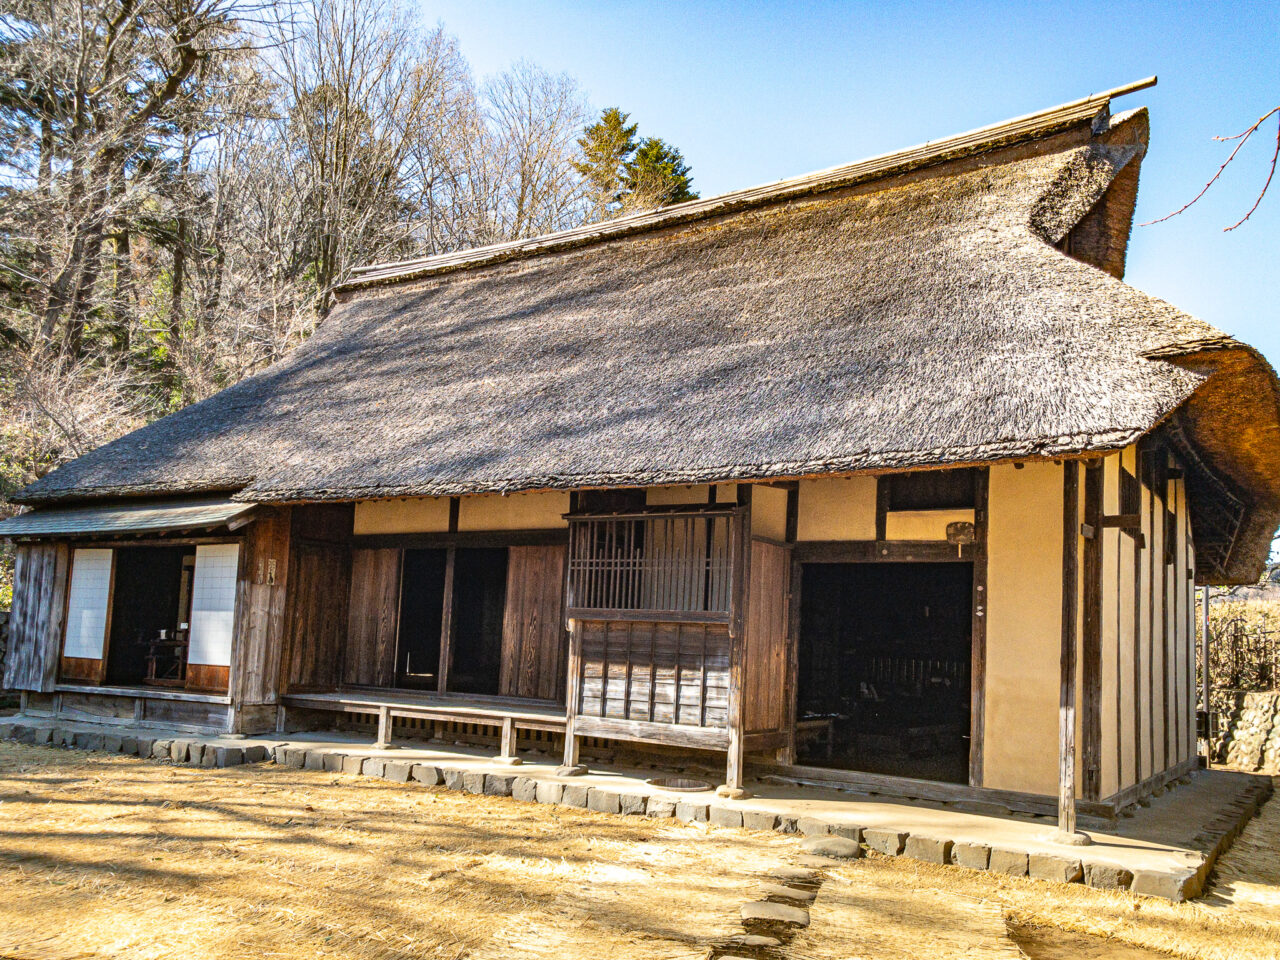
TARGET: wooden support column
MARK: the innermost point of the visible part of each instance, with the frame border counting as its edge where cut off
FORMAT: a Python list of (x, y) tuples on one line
[(740, 547), (572, 696), (787, 753), (446, 621), (508, 749), (1067, 660), (1091, 635), (978, 629), (384, 729)]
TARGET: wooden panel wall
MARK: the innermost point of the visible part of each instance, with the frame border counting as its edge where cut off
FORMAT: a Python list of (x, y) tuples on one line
[(533, 636), (370, 654), (35, 623), (661, 672), (765, 680), (261, 592), (1148, 673), (316, 614)]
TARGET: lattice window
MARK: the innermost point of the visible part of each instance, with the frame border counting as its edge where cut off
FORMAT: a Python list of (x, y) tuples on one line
[(673, 566)]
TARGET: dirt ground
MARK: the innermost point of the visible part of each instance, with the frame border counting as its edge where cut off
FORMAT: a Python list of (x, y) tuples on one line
[(110, 856)]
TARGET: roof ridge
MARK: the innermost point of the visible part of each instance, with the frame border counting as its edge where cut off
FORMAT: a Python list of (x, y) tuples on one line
[(1029, 126)]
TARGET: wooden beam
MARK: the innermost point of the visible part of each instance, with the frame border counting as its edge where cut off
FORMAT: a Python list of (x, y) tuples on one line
[(883, 551), (494, 538), (1067, 657)]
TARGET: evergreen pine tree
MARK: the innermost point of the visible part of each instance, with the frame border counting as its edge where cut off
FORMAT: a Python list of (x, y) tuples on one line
[(657, 176), (607, 147)]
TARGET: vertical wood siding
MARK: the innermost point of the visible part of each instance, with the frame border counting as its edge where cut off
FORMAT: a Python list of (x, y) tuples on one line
[(766, 639), (261, 592), (370, 655), (36, 619), (316, 619), (533, 634), (660, 672)]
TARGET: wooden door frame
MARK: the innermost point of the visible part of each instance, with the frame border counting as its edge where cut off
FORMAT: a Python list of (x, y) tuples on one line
[(906, 551)]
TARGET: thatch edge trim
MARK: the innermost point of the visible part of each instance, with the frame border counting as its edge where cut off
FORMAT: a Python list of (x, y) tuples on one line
[(1059, 447), (1094, 109)]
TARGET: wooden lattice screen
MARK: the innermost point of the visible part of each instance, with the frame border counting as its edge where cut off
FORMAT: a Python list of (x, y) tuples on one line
[(664, 567)]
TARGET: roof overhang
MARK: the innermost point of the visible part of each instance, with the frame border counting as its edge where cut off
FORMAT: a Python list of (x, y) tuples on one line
[(130, 519)]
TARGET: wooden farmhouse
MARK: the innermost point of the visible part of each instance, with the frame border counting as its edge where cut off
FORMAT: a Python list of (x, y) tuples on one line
[(877, 476)]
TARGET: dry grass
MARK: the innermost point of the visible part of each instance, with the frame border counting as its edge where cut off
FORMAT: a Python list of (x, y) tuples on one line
[(111, 856), (107, 856), (1238, 919)]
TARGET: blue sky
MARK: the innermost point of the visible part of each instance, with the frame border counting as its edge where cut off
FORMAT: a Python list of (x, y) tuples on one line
[(752, 92)]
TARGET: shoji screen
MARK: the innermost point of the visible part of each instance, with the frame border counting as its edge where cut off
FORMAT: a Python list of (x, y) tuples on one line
[(87, 601), (213, 604)]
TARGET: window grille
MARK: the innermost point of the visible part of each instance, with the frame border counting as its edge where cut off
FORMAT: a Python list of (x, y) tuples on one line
[(651, 567)]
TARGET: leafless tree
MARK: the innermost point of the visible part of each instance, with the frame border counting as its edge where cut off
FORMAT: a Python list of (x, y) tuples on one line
[(1240, 139)]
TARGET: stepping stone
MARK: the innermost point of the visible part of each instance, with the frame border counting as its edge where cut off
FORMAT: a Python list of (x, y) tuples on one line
[(766, 914), (777, 892), (827, 845), (794, 875), (812, 860), (753, 941)]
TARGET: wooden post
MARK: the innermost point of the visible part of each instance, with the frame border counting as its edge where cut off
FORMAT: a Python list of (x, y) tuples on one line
[(384, 729), (740, 546), (1204, 669), (508, 751), (574, 676), (1067, 660), (1091, 634), (446, 622)]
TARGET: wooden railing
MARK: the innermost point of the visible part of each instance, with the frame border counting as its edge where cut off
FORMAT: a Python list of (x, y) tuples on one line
[(675, 567)]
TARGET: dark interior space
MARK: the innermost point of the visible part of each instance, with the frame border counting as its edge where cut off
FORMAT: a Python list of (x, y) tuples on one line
[(885, 668), (479, 595), (150, 609), (421, 610)]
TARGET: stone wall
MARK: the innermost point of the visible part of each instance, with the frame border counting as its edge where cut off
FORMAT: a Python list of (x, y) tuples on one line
[(1247, 731)]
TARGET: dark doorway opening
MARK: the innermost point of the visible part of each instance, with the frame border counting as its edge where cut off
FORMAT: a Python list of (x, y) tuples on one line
[(150, 614), (479, 597), (884, 680), (421, 613)]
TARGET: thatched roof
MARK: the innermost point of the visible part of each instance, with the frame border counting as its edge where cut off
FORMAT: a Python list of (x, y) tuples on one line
[(899, 313)]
